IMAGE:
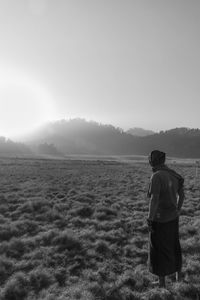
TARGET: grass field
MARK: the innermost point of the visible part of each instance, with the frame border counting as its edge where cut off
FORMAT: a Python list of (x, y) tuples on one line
[(76, 229)]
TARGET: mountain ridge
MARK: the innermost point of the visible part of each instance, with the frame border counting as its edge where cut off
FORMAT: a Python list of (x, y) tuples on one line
[(78, 136)]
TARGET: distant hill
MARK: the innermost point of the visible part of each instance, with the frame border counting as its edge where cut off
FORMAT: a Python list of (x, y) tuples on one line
[(137, 131), (180, 142), (78, 136)]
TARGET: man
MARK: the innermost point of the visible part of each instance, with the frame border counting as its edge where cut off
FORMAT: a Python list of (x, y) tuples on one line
[(166, 198)]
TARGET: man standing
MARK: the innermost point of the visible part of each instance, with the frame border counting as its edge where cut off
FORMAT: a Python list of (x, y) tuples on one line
[(166, 198)]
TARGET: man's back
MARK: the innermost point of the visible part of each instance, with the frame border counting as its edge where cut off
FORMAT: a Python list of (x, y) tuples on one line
[(164, 183)]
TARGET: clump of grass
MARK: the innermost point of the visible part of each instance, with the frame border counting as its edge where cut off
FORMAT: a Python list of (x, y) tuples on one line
[(7, 231), (85, 211), (97, 290), (16, 288), (51, 215), (14, 248), (6, 268), (60, 275), (112, 292), (40, 279), (159, 294), (39, 204), (128, 294), (127, 279), (47, 237), (85, 198), (102, 248), (192, 267), (108, 211), (77, 291), (67, 240), (187, 290), (78, 222), (25, 208), (102, 216)]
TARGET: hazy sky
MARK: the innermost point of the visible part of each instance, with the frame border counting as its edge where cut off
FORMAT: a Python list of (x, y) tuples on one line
[(125, 62)]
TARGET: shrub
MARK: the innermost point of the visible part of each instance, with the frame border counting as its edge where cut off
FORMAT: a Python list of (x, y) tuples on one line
[(16, 288)]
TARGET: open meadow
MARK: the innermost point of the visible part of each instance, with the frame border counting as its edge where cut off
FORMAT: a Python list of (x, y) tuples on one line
[(76, 229)]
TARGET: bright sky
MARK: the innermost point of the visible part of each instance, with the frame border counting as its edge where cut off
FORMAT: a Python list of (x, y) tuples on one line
[(124, 62)]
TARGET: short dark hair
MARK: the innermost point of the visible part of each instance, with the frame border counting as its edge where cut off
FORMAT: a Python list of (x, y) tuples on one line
[(156, 158)]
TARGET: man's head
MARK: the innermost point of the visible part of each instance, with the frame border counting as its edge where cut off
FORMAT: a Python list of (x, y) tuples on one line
[(157, 158)]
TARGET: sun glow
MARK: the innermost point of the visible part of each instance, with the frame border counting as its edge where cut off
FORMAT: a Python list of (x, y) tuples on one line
[(24, 104)]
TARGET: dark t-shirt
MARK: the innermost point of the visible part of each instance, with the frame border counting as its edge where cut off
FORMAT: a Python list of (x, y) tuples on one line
[(164, 184)]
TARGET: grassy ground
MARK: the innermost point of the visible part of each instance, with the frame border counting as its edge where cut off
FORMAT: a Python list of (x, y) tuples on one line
[(77, 230)]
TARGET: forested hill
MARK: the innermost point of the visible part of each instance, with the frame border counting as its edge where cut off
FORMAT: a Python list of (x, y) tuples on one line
[(137, 131), (78, 136), (8, 147)]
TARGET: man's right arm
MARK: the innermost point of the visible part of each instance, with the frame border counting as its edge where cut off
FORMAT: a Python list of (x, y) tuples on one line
[(154, 191)]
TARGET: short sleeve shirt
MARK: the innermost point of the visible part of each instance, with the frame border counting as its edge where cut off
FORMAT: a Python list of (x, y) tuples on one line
[(166, 186)]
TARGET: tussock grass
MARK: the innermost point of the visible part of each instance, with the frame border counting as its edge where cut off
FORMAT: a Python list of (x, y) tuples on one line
[(16, 288)]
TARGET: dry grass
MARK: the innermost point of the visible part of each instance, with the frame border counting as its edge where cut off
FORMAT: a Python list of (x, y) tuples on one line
[(77, 230)]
